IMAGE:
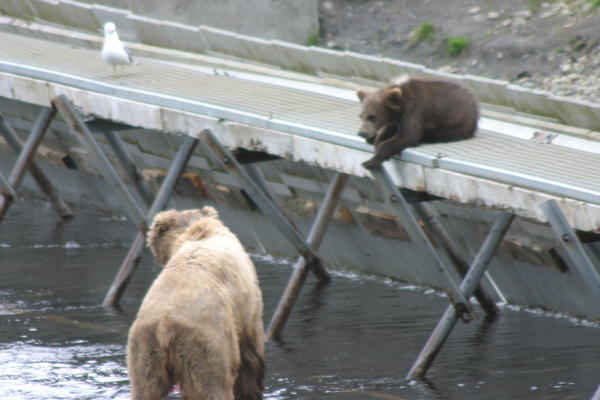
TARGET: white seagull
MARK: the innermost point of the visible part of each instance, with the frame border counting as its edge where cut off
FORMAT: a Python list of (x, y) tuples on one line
[(113, 51)]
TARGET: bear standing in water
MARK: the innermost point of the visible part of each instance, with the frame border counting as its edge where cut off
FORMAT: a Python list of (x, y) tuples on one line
[(200, 324), (414, 111)]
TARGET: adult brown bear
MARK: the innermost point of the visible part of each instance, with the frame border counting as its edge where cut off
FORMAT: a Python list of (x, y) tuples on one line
[(200, 324), (413, 111)]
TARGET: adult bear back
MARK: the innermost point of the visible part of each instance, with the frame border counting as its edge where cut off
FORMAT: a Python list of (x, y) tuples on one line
[(200, 325)]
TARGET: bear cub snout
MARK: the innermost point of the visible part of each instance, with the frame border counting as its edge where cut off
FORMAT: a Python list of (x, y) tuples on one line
[(413, 111)]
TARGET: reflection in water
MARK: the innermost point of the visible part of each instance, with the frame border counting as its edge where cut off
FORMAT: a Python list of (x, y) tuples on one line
[(353, 339)]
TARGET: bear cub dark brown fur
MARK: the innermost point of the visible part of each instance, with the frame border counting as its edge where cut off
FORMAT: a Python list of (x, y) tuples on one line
[(414, 111)]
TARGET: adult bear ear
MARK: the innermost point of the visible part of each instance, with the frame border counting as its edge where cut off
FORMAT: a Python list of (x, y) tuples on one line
[(163, 221), (209, 211), (362, 95), (392, 98)]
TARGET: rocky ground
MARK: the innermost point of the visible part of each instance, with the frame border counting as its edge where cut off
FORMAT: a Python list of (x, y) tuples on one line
[(552, 45)]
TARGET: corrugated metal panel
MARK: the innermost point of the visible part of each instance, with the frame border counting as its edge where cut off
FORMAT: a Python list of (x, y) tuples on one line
[(544, 167)]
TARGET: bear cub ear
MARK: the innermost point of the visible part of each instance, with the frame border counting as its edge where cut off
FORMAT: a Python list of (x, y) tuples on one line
[(392, 98), (362, 95)]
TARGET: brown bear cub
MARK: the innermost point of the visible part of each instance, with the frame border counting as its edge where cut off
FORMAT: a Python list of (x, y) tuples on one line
[(200, 324), (414, 111)]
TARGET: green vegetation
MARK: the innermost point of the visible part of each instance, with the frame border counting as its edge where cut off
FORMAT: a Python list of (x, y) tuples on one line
[(577, 43), (425, 31), (534, 5), (595, 3), (313, 38), (457, 45)]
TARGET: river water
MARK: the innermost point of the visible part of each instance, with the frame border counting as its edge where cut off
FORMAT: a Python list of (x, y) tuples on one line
[(353, 339)]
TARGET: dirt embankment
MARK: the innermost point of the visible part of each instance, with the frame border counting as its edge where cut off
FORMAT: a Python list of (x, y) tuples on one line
[(553, 45)]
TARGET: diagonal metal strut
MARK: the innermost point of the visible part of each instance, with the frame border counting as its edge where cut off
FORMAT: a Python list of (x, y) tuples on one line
[(467, 287), (222, 157), (132, 259), (26, 156), (315, 236), (135, 212), (432, 220), (7, 189), (402, 209), (37, 174), (569, 240), (128, 165)]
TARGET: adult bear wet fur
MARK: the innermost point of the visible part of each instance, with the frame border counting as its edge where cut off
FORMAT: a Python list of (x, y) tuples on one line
[(200, 325)]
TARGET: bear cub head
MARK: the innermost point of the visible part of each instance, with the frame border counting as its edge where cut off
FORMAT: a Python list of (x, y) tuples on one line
[(171, 228), (380, 109)]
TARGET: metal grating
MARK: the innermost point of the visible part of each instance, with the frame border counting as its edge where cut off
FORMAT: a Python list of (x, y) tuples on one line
[(548, 168)]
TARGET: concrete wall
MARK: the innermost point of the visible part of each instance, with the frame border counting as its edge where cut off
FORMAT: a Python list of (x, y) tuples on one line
[(291, 20)]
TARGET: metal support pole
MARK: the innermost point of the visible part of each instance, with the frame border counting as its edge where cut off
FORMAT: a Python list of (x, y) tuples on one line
[(596, 395), (467, 287), (134, 211), (401, 208), (128, 165), (126, 271), (38, 175), (432, 220), (258, 177), (132, 259), (317, 231), (26, 155), (6, 188), (571, 243), (222, 157)]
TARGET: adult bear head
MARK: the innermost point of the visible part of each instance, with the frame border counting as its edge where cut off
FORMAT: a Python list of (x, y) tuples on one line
[(171, 228)]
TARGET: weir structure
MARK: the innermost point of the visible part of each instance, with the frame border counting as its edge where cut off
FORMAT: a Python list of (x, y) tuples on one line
[(265, 130)]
